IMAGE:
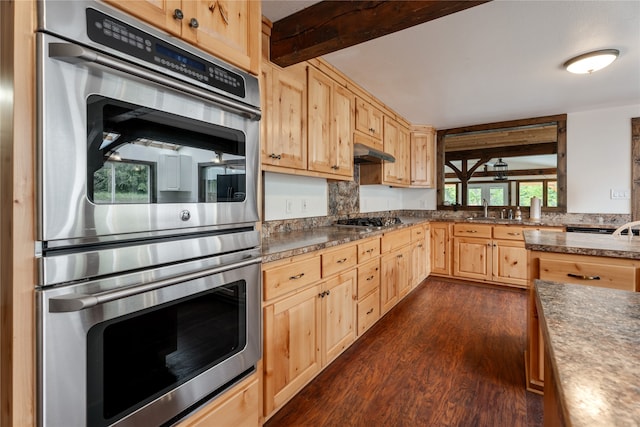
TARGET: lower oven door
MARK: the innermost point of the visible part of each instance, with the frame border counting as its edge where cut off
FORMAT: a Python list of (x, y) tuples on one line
[(142, 354)]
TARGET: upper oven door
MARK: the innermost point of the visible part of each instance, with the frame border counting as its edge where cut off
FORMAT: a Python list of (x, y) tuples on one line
[(120, 152)]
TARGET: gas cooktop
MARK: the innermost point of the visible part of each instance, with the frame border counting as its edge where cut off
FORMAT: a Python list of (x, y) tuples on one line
[(371, 222)]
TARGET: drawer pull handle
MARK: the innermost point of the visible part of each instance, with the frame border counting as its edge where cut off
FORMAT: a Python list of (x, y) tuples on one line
[(296, 277), (370, 311), (513, 234), (275, 156), (370, 278), (340, 261), (471, 231), (369, 251), (583, 276), (399, 256)]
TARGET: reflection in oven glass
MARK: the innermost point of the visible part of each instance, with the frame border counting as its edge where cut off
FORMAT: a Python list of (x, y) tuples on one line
[(136, 358)]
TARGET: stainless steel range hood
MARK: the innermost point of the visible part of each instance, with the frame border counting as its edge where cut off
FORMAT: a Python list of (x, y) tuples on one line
[(365, 154)]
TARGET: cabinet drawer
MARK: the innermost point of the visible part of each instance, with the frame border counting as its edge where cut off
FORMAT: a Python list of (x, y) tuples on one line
[(237, 407), (368, 277), (508, 232), (589, 273), (472, 230), (368, 312), (417, 233), (339, 260), (368, 250), (281, 280), (395, 239)]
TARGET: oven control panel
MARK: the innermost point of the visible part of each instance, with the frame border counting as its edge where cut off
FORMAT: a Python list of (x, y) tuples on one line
[(110, 32)]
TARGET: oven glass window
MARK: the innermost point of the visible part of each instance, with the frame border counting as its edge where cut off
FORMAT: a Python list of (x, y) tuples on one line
[(133, 359), (140, 155)]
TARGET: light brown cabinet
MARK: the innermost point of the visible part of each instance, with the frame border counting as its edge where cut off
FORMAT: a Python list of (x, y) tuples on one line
[(395, 273), (612, 273), (423, 153), (440, 248), (368, 121), (237, 407), (419, 254), (284, 137), (227, 29), (397, 143), (330, 126)]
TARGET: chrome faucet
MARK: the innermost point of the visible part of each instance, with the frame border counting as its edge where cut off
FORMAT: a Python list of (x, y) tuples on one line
[(485, 205)]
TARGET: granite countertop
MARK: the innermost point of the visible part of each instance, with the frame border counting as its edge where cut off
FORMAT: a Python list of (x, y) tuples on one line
[(287, 244), (593, 339), (583, 244)]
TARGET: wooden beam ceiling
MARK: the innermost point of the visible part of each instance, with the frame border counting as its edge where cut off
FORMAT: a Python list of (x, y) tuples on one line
[(329, 26)]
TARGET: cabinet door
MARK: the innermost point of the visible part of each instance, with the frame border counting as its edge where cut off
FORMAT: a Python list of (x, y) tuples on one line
[(226, 28), (510, 262), (472, 258), (388, 282), (158, 14), (419, 262), (339, 314), (291, 346), (285, 144), (440, 249), (404, 274), (396, 143), (368, 120), (319, 121), (342, 132), (423, 158)]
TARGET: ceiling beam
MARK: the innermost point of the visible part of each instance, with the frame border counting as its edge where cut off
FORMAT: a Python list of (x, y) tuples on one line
[(329, 26)]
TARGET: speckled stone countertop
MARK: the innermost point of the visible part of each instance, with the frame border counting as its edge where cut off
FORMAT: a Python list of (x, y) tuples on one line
[(583, 244), (287, 244), (593, 338)]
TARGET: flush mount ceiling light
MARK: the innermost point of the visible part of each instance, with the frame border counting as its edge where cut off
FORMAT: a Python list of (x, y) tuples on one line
[(592, 61)]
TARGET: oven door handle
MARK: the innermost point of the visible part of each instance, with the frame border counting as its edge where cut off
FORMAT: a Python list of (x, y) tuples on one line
[(74, 54), (77, 302)]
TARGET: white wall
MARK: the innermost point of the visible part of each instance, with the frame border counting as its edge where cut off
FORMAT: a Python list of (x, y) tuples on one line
[(293, 196), (599, 159)]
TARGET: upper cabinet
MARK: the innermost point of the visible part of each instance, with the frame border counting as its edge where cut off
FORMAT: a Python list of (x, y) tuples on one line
[(368, 122), (225, 28), (397, 143), (330, 125), (284, 107), (423, 153)]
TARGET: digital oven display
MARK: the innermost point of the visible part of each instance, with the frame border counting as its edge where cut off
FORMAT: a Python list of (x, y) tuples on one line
[(180, 58)]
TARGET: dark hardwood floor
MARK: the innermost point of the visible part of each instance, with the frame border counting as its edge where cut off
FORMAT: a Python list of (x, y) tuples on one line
[(449, 354)]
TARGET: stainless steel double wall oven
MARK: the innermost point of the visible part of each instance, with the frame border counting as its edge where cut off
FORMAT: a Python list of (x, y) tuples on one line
[(149, 258)]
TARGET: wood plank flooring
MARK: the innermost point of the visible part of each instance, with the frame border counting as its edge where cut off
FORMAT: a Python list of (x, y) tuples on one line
[(449, 354)]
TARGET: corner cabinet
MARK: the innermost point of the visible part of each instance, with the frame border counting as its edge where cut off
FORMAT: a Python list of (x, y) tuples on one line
[(330, 112), (284, 106), (227, 29)]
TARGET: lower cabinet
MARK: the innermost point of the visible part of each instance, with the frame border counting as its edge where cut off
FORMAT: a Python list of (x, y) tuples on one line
[(316, 304), (440, 248), (291, 346), (238, 407), (395, 277)]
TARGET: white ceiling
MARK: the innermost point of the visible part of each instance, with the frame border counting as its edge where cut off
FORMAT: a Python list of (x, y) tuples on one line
[(498, 61)]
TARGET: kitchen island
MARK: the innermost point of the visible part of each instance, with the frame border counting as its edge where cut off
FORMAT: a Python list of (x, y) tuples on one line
[(596, 260), (592, 336)]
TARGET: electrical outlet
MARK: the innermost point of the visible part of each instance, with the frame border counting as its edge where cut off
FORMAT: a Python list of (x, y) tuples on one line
[(288, 206), (620, 194), (304, 205)]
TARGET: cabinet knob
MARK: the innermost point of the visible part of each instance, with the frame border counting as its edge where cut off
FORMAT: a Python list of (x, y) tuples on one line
[(335, 167), (177, 14), (194, 23)]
